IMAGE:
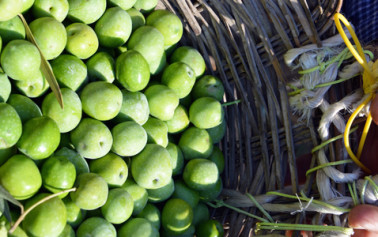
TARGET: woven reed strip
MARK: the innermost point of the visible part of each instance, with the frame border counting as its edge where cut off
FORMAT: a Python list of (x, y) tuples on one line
[(290, 21), (267, 45), (314, 34), (230, 139), (263, 139), (260, 120), (274, 13)]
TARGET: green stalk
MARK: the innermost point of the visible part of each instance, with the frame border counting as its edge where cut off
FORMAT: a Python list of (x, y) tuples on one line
[(355, 191), (368, 52), (363, 190), (303, 194), (323, 65), (308, 199), (260, 207), (335, 81), (292, 87), (343, 55), (352, 194), (297, 91), (373, 184), (304, 227), (220, 203), (231, 103), (328, 164), (325, 143)]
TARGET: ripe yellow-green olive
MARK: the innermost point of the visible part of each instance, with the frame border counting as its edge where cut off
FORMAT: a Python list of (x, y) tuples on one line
[(20, 176), (47, 219)]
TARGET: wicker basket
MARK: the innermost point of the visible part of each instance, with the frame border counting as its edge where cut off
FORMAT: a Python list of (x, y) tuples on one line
[(243, 42)]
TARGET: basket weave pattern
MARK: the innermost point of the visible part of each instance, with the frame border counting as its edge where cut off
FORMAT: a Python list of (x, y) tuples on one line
[(242, 42)]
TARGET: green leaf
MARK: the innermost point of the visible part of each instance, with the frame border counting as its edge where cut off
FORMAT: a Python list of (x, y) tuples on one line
[(4, 209), (5, 196), (45, 65)]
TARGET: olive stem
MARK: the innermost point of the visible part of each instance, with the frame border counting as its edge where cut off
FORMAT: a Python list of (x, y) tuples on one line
[(231, 103), (23, 215)]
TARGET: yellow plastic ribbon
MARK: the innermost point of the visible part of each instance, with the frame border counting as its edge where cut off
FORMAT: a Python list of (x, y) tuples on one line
[(370, 82)]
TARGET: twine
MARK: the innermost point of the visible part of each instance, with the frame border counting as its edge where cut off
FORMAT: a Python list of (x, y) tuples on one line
[(335, 174), (320, 68), (331, 114), (351, 70), (365, 111), (367, 191), (326, 191), (306, 101), (292, 54)]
